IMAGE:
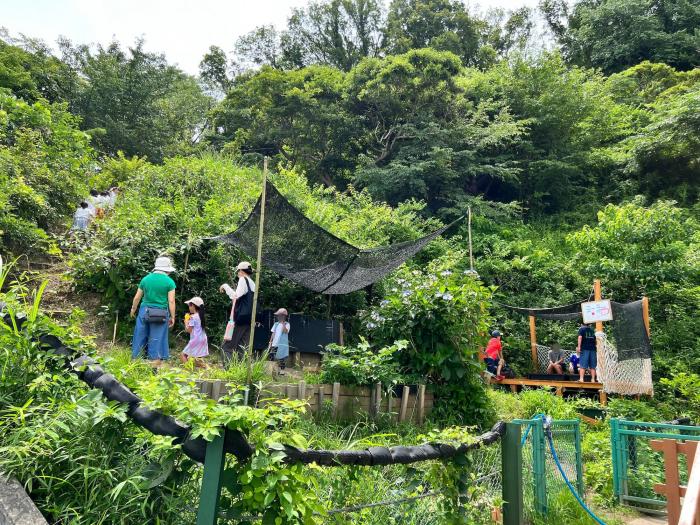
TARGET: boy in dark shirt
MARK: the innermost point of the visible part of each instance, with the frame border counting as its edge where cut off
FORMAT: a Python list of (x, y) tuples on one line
[(587, 349)]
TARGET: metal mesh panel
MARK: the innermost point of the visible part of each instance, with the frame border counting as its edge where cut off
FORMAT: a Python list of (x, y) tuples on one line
[(637, 467), (305, 253), (630, 377)]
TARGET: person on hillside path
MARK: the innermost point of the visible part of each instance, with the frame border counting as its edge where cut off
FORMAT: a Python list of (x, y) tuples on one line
[(279, 340), (81, 217), (494, 355), (195, 325), (242, 298), (156, 314), (587, 348), (556, 360)]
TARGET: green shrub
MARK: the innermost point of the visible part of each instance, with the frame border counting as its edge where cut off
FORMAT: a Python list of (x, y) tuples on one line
[(444, 315), (361, 365)]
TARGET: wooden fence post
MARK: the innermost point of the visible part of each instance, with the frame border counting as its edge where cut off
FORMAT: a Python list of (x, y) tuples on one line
[(533, 343), (404, 403), (421, 403), (336, 398)]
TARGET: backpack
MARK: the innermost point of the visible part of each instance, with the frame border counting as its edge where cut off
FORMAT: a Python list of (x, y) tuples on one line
[(243, 311)]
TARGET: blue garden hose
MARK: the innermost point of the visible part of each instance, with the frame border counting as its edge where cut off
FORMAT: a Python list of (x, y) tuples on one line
[(548, 432)]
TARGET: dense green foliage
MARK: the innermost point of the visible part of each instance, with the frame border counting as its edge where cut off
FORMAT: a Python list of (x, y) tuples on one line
[(579, 162), (43, 162)]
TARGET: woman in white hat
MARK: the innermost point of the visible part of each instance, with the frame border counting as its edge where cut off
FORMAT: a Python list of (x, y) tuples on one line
[(195, 325), (241, 310), (156, 314), (279, 340)]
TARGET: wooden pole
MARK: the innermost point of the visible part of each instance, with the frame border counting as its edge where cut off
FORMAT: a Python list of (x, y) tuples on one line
[(645, 314), (114, 332), (598, 296), (404, 404), (258, 270), (533, 343)]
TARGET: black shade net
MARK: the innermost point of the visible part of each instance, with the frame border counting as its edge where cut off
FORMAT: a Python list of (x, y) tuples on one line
[(305, 253), (627, 326), (629, 331), (558, 313)]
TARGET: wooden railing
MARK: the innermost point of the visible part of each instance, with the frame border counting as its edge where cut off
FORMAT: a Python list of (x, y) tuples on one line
[(689, 511), (672, 488)]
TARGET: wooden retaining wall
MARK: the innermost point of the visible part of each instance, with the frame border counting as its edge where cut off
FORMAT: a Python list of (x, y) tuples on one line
[(405, 403)]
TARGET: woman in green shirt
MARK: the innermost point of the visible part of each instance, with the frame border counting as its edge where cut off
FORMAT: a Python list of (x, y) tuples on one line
[(156, 294)]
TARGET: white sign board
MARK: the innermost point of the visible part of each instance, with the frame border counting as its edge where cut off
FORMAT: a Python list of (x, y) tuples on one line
[(594, 311)]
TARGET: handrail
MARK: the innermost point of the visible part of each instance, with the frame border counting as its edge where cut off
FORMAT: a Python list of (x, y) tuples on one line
[(692, 495)]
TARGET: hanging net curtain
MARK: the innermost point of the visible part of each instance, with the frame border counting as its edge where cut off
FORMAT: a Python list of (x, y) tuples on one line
[(305, 253)]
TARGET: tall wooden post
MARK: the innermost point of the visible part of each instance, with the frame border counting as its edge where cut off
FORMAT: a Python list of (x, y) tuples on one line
[(533, 343), (258, 270), (598, 296), (645, 314)]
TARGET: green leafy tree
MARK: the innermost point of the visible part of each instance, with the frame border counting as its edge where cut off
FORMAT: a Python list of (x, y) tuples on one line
[(423, 138), (29, 70), (134, 101), (616, 34), (445, 25), (298, 117)]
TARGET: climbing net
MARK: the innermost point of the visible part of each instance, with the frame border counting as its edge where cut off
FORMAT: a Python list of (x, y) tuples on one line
[(629, 376)]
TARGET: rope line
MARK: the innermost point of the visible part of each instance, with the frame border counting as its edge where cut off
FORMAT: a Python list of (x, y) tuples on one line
[(548, 432)]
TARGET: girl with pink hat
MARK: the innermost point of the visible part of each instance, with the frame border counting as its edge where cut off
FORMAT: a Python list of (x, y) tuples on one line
[(195, 324)]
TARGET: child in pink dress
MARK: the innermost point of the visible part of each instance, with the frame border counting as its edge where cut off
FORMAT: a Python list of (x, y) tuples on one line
[(198, 347)]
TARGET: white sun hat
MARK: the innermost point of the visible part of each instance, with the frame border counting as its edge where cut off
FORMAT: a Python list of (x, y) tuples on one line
[(163, 264), (197, 301), (282, 311), (244, 265)]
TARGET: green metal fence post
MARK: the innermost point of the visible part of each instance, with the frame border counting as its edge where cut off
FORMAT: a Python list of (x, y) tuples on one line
[(539, 466), (579, 459), (512, 475), (211, 482), (615, 451)]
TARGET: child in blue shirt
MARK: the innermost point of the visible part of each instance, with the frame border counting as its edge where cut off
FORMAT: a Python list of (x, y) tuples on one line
[(573, 363)]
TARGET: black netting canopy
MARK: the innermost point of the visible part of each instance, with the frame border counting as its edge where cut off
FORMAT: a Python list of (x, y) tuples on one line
[(305, 253)]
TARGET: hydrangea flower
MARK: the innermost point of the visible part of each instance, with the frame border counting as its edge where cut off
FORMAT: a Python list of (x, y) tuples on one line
[(384, 303), (371, 326), (445, 273), (406, 293)]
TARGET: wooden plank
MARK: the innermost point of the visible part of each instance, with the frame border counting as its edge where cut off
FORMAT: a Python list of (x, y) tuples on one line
[(301, 390), (290, 391), (645, 314), (321, 392), (404, 403), (543, 382), (421, 403), (603, 397), (336, 396), (216, 390), (533, 343), (390, 402), (672, 485), (341, 335)]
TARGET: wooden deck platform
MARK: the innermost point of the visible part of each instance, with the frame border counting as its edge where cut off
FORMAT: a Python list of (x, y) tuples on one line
[(559, 386)]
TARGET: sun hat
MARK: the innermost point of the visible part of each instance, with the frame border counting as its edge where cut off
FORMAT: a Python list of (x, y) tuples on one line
[(245, 266), (282, 311), (495, 333), (163, 264), (197, 301)]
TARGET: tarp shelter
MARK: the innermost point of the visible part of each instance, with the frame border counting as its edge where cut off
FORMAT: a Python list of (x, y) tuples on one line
[(305, 253)]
